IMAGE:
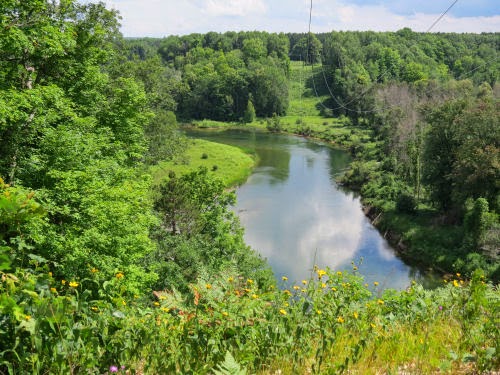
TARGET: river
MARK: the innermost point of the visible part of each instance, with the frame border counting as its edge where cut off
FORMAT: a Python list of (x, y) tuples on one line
[(296, 216)]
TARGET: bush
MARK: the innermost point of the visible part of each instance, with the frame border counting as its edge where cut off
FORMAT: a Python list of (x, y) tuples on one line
[(406, 204), (204, 156)]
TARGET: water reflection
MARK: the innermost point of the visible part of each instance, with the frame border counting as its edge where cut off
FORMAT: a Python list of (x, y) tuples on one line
[(296, 216)]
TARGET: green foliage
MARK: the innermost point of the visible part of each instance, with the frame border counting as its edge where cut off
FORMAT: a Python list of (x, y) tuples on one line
[(249, 114), (406, 203), (329, 323)]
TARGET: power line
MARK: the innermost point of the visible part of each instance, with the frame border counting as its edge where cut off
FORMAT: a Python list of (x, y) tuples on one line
[(441, 16)]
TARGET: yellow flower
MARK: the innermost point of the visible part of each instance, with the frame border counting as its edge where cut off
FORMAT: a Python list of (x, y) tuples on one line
[(321, 273), (50, 274), (94, 270), (303, 290), (247, 290), (63, 282), (165, 309), (355, 268), (284, 278), (318, 312), (296, 287), (355, 314), (372, 325), (282, 312), (94, 308), (27, 317), (323, 285), (53, 290), (255, 296), (304, 282), (286, 291), (73, 284), (124, 303), (208, 286), (375, 283), (340, 320), (250, 281), (286, 304), (380, 302), (334, 289), (156, 303), (230, 279), (455, 283), (224, 313), (119, 275), (458, 275), (339, 273)]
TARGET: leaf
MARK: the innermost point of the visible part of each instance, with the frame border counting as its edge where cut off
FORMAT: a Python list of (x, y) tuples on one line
[(229, 367)]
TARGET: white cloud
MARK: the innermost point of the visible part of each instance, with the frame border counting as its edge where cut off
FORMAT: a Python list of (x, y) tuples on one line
[(169, 17), (235, 7)]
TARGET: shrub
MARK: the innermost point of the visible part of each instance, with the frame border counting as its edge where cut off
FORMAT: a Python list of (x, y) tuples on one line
[(406, 203)]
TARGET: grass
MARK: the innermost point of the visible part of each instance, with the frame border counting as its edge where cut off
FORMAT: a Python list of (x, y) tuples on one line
[(231, 164)]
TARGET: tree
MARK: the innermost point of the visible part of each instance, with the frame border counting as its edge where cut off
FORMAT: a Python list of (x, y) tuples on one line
[(308, 49), (249, 114)]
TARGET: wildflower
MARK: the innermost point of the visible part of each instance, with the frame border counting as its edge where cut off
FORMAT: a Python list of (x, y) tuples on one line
[(323, 285), (282, 312), (455, 283), (230, 279), (286, 304), (340, 320), (27, 317), (355, 314), (113, 369), (284, 278), (249, 281), (165, 309), (94, 270), (375, 283), (224, 313), (296, 287), (124, 303), (380, 302), (304, 282), (303, 290), (208, 286), (286, 291), (334, 289), (94, 308), (255, 296), (458, 275), (339, 273), (247, 290), (63, 282), (440, 308), (372, 325), (321, 273), (355, 268), (122, 367), (53, 290), (318, 312), (156, 303), (73, 284), (119, 275), (50, 274)]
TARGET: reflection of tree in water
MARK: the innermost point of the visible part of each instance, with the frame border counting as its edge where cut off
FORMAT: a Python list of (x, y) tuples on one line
[(339, 160), (278, 159)]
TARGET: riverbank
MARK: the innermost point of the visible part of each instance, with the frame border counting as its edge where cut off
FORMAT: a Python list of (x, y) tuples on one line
[(230, 164)]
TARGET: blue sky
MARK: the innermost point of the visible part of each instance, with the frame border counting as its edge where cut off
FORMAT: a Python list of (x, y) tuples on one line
[(157, 18)]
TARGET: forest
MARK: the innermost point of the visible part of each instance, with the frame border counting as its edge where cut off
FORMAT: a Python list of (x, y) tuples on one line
[(103, 270)]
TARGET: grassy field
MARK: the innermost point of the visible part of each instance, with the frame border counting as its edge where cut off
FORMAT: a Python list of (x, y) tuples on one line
[(231, 164)]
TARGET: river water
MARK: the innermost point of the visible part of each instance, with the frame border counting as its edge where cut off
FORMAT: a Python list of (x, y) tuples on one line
[(296, 216)]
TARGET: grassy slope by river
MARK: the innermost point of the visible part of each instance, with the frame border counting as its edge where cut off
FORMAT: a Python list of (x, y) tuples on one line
[(231, 164)]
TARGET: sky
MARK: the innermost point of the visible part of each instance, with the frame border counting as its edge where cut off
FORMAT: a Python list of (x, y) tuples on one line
[(158, 18)]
